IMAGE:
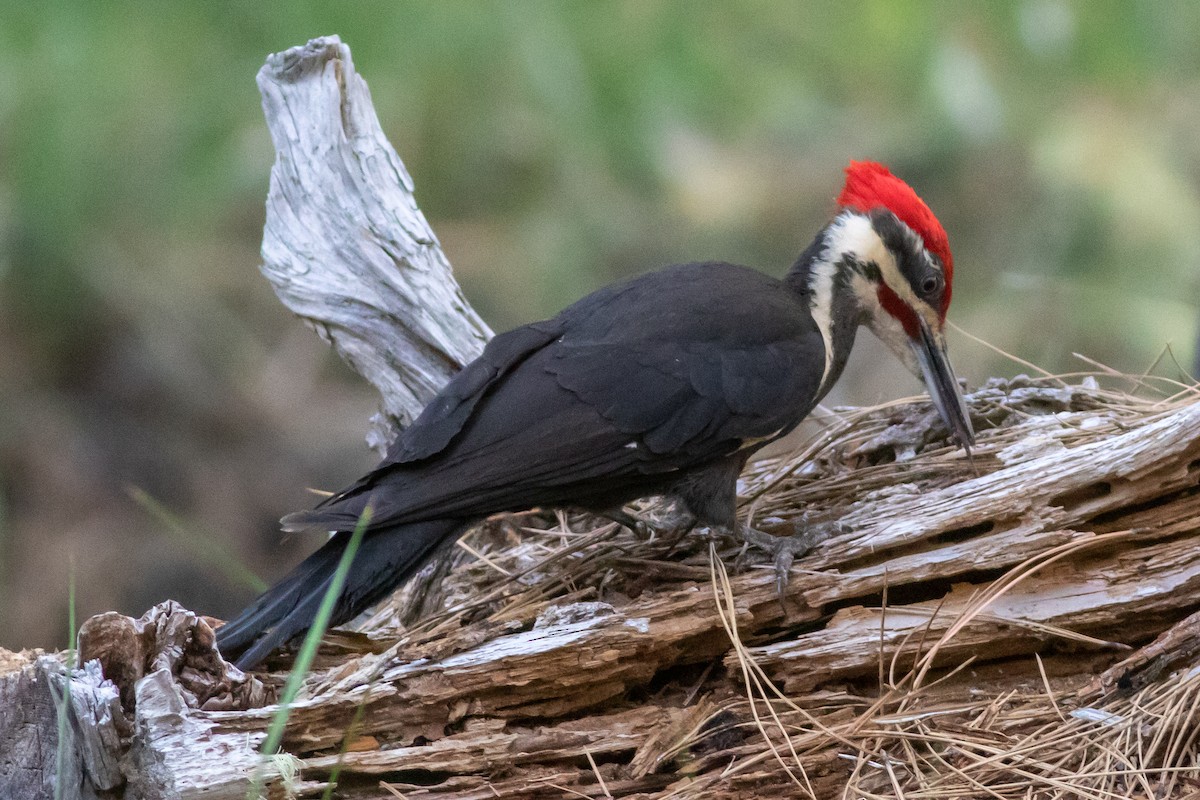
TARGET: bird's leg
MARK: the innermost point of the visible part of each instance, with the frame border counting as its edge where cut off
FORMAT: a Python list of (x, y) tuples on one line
[(672, 526), (784, 549), (676, 526), (624, 518)]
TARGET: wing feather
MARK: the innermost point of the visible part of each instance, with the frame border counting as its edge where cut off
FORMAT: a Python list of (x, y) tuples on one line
[(605, 402)]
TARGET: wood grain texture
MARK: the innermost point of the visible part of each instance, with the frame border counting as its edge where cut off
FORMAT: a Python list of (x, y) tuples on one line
[(28, 727), (345, 245), (651, 686)]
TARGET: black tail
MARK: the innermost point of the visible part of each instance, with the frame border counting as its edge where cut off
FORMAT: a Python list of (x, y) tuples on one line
[(386, 557)]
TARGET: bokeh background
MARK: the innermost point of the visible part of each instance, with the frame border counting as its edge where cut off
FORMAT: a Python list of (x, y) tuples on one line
[(555, 147)]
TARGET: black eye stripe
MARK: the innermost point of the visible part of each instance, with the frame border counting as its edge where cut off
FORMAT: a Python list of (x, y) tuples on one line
[(917, 266), (868, 269)]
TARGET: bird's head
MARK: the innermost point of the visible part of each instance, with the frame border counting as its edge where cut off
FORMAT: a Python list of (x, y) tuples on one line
[(888, 249)]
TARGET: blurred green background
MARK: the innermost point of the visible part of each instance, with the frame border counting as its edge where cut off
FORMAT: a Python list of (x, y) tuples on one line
[(555, 147)]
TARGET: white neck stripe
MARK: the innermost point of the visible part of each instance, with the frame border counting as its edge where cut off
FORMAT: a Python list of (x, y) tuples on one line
[(849, 234), (820, 282)]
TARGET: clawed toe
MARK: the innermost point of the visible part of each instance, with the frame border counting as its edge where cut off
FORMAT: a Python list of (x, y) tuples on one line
[(784, 549), (624, 518)]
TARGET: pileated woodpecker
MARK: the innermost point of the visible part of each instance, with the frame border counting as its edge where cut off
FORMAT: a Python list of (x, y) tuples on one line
[(662, 385)]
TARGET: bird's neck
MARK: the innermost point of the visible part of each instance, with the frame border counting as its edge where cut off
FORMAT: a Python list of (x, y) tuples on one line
[(824, 277)]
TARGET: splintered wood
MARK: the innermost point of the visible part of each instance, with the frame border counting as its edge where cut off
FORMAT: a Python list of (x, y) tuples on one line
[(345, 246), (952, 640)]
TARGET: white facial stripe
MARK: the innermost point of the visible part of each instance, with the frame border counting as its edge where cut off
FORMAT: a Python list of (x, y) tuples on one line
[(889, 270), (856, 235), (820, 284), (867, 293), (850, 234), (885, 327), (853, 233)]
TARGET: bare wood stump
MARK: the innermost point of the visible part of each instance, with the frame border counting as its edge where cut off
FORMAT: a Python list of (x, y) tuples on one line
[(346, 247)]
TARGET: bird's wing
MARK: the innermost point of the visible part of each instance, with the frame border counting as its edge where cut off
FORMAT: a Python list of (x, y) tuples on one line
[(691, 400), (693, 357), (608, 400), (446, 414)]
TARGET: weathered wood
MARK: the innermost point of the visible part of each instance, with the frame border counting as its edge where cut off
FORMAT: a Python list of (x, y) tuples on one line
[(1109, 473), (551, 672), (492, 745), (28, 727), (1090, 596), (346, 247), (177, 754), (34, 692), (1177, 646), (461, 707), (133, 733), (97, 724)]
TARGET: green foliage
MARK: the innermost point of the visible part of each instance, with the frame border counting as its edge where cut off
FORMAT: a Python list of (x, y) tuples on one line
[(308, 650), (66, 746)]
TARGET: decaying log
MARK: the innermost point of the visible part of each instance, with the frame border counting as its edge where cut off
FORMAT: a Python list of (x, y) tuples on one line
[(650, 686), (950, 636)]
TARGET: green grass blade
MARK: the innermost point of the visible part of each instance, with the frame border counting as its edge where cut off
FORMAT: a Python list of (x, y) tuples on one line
[(308, 651), (347, 739)]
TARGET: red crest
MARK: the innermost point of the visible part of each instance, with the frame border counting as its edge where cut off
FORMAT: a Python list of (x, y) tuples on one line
[(870, 185)]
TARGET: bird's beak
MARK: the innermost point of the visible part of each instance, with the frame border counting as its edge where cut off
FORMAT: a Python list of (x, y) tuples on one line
[(942, 385)]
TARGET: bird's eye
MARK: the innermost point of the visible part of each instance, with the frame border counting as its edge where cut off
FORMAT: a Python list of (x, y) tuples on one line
[(931, 284)]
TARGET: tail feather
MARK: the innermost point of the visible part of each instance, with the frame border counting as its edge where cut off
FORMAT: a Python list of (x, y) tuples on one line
[(386, 557)]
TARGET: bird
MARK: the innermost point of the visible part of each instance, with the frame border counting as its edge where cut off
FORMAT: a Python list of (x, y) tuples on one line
[(665, 384)]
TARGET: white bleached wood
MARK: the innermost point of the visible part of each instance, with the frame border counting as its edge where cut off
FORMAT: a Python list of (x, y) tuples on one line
[(32, 697), (1085, 595), (1159, 451), (96, 722), (179, 754), (492, 675), (345, 246), (1027, 511)]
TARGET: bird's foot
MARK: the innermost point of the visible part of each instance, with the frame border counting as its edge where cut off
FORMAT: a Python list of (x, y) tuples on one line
[(784, 549)]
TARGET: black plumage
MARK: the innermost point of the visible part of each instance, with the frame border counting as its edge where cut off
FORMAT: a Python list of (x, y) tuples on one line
[(615, 395), (664, 384)]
